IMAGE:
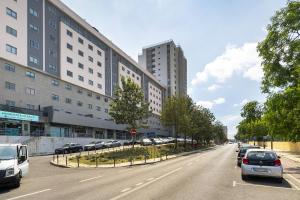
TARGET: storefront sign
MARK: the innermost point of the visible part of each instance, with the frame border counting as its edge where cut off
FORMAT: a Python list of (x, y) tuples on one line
[(19, 116)]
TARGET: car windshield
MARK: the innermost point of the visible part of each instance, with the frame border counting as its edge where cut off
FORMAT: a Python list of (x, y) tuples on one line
[(92, 142), (66, 145), (261, 155), (8, 152)]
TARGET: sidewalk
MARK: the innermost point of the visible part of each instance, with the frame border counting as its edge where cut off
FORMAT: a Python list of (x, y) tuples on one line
[(289, 155)]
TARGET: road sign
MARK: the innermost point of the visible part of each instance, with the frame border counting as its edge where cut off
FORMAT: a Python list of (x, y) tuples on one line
[(133, 132)]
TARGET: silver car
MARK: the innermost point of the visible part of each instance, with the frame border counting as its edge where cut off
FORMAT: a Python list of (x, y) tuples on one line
[(261, 162)]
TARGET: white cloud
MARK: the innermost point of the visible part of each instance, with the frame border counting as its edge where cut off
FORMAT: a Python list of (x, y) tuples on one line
[(213, 87), (231, 122), (235, 60), (210, 104), (243, 102)]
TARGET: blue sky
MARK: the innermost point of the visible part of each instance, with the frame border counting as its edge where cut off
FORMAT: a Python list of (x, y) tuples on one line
[(218, 38)]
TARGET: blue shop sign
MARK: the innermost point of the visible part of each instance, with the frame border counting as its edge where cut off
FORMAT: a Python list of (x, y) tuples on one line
[(19, 116)]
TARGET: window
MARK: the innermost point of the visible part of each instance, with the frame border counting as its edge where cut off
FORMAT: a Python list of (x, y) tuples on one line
[(33, 12), (10, 86), (69, 46), (98, 108), (33, 60), (30, 106), (90, 106), (11, 31), (52, 24), (68, 87), (90, 47), (98, 97), (80, 78), (106, 110), (99, 75), (91, 59), (55, 97), (52, 38), (123, 68), (52, 53), (30, 74), (11, 13), (80, 53), (30, 91), (80, 65), (79, 103), (69, 33), (99, 86), (54, 82), (137, 78), (9, 67), (11, 49), (34, 28), (91, 71), (68, 100), (90, 94), (52, 67), (106, 99), (91, 82), (34, 44), (10, 103), (69, 60), (99, 64), (99, 53), (128, 72), (79, 91), (69, 73), (80, 40)]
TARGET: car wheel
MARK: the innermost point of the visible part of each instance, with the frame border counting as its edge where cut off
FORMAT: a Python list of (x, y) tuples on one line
[(17, 182), (244, 177)]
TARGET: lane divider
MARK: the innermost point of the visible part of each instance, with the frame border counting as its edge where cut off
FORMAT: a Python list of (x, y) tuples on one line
[(89, 179), (30, 194)]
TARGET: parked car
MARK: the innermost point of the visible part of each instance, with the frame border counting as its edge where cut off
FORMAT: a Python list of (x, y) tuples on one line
[(261, 162), (156, 141), (94, 145), (129, 142), (69, 148), (14, 164), (146, 141), (112, 143), (242, 153)]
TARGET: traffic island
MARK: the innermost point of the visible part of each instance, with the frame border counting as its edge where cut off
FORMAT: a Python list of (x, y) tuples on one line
[(126, 157)]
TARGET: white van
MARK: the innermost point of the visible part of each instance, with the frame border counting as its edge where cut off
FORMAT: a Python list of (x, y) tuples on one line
[(13, 164)]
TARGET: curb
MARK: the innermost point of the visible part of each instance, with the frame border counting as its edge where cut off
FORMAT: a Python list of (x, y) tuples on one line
[(139, 164)]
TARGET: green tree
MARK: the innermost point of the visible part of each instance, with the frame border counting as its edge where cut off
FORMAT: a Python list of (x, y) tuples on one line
[(219, 133), (280, 49), (129, 107), (252, 111)]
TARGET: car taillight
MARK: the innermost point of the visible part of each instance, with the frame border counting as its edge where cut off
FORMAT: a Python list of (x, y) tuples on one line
[(245, 161), (277, 162)]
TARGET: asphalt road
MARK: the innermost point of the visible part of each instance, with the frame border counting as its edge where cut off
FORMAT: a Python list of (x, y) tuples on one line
[(209, 175)]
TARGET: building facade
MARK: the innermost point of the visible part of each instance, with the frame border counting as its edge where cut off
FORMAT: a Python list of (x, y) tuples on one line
[(166, 61), (58, 74)]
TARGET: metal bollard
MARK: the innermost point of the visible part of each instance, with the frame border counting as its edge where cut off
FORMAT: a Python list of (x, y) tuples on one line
[(57, 158), (97, 161), (77, 161), (53, 157), (114, 162), (66, 160), (145, 159)]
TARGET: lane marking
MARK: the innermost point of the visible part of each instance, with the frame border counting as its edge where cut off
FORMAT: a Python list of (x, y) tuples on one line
[(89, 179), (126, 189), (139, 184), (149, 179), (295, 179), (233, 183), (266, 186), (30, 194), (293, 184), (146, 184), (234, 167)]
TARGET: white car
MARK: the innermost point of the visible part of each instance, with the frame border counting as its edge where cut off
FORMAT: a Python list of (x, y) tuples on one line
[(13, 164), (261, 162), (94, 145)]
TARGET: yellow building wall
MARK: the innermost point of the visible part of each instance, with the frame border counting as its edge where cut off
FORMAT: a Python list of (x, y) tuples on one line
[(282, 146)]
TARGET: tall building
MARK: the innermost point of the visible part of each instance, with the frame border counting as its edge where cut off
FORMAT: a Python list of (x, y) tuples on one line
[(167, 63), (58, 74)]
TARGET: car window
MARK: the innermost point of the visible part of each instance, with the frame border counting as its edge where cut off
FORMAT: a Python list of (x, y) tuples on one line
[(261, 155), (7, 153)]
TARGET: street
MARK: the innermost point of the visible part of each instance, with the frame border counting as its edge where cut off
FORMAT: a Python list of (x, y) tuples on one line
[(208, 175)]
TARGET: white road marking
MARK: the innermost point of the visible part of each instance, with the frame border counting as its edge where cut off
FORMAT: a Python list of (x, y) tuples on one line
[(126, 189), (293, 184), (149, 179), (266, 186), (234, 167), (89, 179), (139, 184), (148, 183), (295, 179), (233, 183), (30, 194)]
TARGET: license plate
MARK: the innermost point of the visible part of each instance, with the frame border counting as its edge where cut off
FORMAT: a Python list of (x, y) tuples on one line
[(260, 170)]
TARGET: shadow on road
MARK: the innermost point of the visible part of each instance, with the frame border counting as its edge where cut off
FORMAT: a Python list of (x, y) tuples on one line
[(268, 182), (292, 170), (6, 189)]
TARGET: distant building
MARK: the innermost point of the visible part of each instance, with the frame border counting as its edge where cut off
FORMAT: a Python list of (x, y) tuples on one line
[(166, 61)]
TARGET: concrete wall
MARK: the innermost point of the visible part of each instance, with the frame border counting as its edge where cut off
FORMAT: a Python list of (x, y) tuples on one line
[(282, 146), (44, 145)]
